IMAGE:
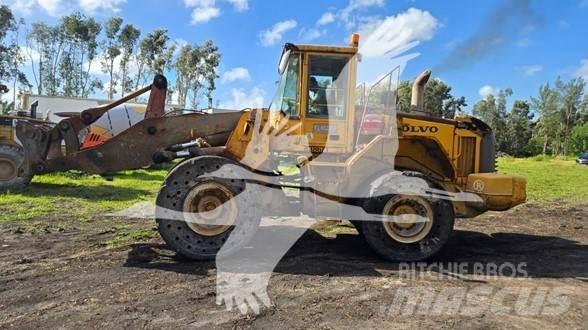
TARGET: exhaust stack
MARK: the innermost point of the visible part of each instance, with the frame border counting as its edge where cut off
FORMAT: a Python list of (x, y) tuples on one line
[(418, 91)]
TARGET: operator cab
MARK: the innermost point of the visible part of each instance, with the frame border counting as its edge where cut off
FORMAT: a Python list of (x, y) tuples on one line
[(316, 90)]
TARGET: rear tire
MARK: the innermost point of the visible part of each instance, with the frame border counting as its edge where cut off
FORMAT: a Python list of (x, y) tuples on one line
[(11, 176), (192, 198), (414, 239)]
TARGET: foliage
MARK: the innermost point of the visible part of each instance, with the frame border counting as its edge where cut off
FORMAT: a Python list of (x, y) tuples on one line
[(11, 56), (439, 102), (492, 110), (128, 39), (519, 130), (561, 109), (81, 46), (196, 69), (155, 55), (579, 139), (111, 52)]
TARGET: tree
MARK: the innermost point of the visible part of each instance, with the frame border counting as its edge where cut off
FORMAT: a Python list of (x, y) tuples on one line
[(571, 94), (111, 52), (81, 35), (45, 48), (196, 69), (211, 61), (546, 105), (10, 55), (439, 102), (561, 108), (127, 39), (155, 54), (579, 139), (492, 111), (519, 129)]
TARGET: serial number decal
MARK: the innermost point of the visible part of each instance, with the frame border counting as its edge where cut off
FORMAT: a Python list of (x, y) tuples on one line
[(324, 129), (316, 150)]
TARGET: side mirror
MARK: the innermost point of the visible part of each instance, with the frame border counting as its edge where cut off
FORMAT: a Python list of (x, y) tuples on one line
[(284, 61)]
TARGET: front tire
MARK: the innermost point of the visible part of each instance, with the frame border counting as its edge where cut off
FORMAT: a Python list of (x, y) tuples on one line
[(420, 224), (12, 177), (197, 213)]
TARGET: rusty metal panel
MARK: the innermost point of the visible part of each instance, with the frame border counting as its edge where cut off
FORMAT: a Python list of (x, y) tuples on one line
[(135, 147)]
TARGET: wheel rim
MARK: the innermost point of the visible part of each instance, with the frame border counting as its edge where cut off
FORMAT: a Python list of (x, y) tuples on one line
[(210, 209), (412, 218), (8, 169)]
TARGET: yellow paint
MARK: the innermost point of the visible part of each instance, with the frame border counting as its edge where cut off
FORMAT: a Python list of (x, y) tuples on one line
[(428, 145)]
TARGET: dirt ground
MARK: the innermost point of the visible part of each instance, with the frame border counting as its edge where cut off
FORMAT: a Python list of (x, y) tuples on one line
[(68, 274)]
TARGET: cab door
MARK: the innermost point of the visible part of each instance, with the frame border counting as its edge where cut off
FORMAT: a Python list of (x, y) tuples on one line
[(327, 106)]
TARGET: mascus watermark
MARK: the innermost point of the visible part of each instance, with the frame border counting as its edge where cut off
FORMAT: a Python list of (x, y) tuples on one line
[(479, 300)]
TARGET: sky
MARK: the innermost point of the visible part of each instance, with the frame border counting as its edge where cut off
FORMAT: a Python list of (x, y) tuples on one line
[(477, 47)]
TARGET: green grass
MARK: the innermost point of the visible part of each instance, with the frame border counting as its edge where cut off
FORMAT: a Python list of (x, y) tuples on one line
[(85, 197), (549, 178), (79, 195)]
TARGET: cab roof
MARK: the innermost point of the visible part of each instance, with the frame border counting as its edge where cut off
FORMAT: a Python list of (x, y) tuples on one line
[(322, 48)]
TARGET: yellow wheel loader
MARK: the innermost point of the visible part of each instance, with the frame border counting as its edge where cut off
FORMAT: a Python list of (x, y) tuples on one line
[(352, 151), (326, 148)]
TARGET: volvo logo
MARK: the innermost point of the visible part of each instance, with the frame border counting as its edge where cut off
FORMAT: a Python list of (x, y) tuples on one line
[(420, 129)]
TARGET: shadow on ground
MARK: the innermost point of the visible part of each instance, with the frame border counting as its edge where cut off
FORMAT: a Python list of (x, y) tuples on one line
[(349, 255)]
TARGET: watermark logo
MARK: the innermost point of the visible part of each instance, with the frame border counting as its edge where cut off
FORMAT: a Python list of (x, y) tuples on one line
[(479, 300)]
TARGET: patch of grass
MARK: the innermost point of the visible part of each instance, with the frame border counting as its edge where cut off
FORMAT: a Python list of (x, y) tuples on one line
[(85, 197), (80, 195), (549, 178)]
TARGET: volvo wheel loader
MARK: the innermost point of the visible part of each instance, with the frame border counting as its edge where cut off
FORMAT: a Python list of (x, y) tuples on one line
[(325, 148), (353, 150)]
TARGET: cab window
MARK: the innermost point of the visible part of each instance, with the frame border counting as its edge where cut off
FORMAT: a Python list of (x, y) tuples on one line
[(287, 99), (327, 83)]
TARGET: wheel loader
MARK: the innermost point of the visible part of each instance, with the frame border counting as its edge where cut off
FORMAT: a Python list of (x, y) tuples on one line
[(12, 155), (325, 147)]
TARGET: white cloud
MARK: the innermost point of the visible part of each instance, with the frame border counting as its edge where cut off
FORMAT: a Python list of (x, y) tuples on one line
[(236, 74), (240, 5), (523, 43), (241, 98), (26, 7), (311, 34), (582, 71), (355, 5), (396, 34), (199, 3), (205, 10), (94, 5), (487, 90), (203, 15), (346, 15), (532, 69), (273, 35), (327, 18), (59, 7)]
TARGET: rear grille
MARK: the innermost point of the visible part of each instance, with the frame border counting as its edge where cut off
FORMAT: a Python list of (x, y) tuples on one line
[(467, 159)]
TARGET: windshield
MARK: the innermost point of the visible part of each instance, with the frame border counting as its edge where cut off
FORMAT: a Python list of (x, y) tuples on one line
[(286, 98), (373, 102)]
